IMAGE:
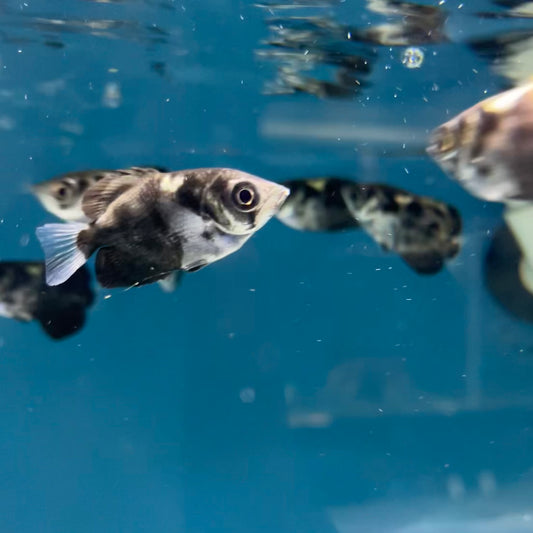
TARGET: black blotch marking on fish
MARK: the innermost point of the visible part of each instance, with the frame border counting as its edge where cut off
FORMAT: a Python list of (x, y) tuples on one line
[(414, 208), (117, 268), (189, 194), (483, 170), (389, 205), (488, 122), (208, 235)]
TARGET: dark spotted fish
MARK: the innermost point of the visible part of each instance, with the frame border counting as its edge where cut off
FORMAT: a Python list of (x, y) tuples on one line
[(62, 195), (316, 204), (25, 296), (143, 229), (423, 231), (488, 148)]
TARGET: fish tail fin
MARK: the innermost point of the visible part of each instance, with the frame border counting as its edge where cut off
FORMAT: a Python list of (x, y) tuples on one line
[(63, 257)]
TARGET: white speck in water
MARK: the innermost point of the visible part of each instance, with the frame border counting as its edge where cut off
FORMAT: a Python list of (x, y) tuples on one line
[(24, 240), (252, 290), (247, 395), (241, 17), (112, 96), (107, 296), (413, 57)]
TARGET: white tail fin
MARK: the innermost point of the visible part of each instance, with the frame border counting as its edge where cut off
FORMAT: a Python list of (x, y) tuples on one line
[(62, 255)]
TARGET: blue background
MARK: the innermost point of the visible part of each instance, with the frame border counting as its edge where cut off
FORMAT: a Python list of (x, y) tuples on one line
[(307, 383)]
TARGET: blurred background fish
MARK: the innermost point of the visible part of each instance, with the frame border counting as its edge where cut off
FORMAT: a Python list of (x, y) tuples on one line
[(25, 296), (316, 204), (488, 148), (423, 231)]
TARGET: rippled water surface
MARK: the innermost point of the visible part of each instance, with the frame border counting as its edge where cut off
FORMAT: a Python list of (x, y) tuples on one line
[(310, 382)]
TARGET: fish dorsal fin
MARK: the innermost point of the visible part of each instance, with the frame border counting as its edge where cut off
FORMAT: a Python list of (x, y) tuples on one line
[(139, 172), (101, 194)]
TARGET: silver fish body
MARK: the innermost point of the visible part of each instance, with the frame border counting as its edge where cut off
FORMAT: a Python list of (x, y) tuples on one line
[(316, 204), (62, 195), (24, 296), (423, 231), (142, 230), (488, 148)]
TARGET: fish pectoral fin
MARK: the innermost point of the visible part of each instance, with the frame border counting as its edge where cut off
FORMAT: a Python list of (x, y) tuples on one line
[(116, 268), (430, 262), (98, 197), (62, 255), (170, 281), (194, 267)]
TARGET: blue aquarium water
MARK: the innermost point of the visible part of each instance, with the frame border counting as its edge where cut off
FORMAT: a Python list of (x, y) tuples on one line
[(310, 382)]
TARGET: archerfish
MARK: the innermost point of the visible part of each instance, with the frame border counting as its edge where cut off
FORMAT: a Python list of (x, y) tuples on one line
[(423, 231), (24, 296), (143, 229), (316, 204), (488, 148)]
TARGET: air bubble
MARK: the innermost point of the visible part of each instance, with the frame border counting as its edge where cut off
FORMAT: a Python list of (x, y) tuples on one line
[(413, 57)]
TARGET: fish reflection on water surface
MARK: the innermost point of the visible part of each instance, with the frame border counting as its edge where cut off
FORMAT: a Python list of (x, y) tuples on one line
[(423, 231), (25, 296), (144, 229)]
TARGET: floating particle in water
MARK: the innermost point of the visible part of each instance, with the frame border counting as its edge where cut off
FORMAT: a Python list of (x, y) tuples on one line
[(6, 123), (413, 57), (112, 97), (247, 395)]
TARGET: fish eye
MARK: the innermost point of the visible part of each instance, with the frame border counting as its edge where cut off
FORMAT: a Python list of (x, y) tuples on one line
[(245, 196), (61, 192)]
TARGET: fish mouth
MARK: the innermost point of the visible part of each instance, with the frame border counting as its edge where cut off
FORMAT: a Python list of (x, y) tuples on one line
[(282, 195)]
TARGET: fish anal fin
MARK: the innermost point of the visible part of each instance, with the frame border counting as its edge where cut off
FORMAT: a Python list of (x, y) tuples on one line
[(170, 281), (101, 194)]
